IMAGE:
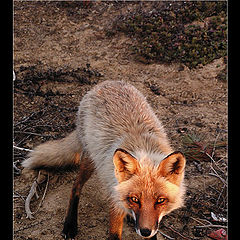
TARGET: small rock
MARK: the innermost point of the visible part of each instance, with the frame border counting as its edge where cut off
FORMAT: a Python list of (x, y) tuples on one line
[(199, 124), (155, 89)]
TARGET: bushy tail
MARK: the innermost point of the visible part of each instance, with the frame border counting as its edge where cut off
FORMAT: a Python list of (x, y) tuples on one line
[(57, 153)]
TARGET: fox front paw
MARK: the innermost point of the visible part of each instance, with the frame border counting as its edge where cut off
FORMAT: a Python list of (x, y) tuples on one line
[(114, 237), (69, 231), (154, 237), (65, 236)]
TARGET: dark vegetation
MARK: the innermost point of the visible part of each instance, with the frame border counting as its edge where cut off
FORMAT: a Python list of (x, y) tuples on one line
[(192, 33)]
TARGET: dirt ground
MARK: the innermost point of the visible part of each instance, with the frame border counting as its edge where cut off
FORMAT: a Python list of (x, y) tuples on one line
[(60, 52)]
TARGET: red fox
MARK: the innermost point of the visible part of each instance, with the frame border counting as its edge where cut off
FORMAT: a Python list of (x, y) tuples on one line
[(119, 136)]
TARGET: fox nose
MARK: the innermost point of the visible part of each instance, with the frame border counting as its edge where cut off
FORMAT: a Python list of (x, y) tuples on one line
[(145, 232)]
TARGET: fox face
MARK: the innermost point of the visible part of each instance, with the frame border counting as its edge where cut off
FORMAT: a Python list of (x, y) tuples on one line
[(149, 192)]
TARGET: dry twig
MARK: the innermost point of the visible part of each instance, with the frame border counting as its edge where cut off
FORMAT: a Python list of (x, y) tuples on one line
[(178, 233), (215, 173), (211, 226), (22, 149), (15, 168), (32, 133), (17, 195), (165, 235)]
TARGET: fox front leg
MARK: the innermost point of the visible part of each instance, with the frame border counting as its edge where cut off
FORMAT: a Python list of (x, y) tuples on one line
[(70, 225), (154, 237), (116, 225)]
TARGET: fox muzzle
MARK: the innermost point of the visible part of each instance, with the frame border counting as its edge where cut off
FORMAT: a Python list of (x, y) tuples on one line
[(144, 231)]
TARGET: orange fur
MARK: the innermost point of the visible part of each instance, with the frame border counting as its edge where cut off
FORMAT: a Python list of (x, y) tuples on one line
[(149, 184)]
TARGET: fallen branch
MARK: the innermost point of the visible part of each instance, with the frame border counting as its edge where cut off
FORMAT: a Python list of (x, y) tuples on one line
[(45, 190), (29, 197), (32, 192)]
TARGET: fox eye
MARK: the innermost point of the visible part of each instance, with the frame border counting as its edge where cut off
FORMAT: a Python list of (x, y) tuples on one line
[(160, 200), (134, 199)]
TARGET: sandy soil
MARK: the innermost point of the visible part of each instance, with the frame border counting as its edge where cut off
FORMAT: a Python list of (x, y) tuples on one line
[(60, 52)]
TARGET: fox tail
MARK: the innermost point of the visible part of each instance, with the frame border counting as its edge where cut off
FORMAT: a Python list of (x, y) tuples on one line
[(55, 154)]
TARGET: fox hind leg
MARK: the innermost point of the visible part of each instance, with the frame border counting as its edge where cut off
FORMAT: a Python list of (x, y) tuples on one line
[(86, 169)]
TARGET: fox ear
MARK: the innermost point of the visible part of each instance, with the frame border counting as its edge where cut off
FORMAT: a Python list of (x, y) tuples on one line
[(172, 167), (125, 165)]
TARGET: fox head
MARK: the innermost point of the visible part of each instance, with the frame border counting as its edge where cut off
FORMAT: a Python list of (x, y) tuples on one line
[(149, 192)]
